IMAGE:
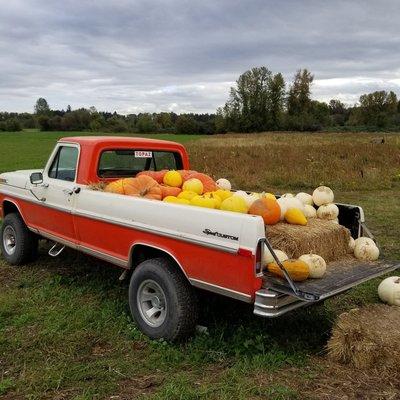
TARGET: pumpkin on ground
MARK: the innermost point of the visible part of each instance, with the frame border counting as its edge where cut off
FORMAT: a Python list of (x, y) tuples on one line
[(268, 209), (235, 204), (158, 176), (169, 191), (316, 264), (145, 187), (172, 178), (389, 290), (209, 184), (298, 270), (295, 216)]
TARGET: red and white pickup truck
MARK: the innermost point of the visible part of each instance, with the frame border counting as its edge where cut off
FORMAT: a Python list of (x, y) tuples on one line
[(167, 249)]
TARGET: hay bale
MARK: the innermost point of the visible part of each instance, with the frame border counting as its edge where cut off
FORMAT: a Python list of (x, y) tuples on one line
[(368, 337), (325, 238), (99, 186)]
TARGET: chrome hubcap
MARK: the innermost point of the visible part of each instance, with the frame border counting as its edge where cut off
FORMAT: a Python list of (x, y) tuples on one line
[(152, 303), (9, 240)]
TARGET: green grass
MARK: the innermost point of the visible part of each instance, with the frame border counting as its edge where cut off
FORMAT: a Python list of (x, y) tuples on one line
[(66, 331), (31, 148)]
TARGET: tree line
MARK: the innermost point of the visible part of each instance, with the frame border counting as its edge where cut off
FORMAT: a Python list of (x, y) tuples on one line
[(259, 101)]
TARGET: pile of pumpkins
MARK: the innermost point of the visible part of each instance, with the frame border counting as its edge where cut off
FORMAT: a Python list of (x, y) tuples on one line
[(306, 266), (187, 187)]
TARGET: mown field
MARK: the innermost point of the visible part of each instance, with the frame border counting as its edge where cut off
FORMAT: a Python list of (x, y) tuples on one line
[(65, 329)]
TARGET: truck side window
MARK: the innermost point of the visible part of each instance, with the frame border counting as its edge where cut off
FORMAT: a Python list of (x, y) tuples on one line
[(127, 163), (64, 164)]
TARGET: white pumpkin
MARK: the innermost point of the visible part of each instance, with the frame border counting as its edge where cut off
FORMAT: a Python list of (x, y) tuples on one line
[(287, 195), (363, 239), (389, 290), (323, 195), (310, 211), (366, 250), (288, 202), (305, 198), (352, 243), (224, 184), (267, 256), (328, 211), (316, 264)]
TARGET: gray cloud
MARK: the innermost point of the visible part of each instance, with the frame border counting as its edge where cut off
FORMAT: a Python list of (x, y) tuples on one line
[(134, 56)]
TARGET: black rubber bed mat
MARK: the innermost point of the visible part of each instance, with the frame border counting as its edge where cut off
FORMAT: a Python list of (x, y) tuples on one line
[(340, 276)]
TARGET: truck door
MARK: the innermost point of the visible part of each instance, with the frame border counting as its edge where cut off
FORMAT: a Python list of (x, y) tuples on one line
[(57, 193)]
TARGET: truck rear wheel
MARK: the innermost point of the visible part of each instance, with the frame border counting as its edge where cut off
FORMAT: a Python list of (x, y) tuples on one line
[(18, 244), (162, 301)]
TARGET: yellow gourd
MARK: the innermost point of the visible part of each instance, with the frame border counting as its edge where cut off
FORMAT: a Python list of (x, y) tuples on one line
[(172, 178), (215, 197), (186, 194), (295, 216), (298, 270), (235, 204), (202, 201), (223, 194)]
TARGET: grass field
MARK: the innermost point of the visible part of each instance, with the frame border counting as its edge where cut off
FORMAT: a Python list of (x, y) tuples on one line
[(65, 329)]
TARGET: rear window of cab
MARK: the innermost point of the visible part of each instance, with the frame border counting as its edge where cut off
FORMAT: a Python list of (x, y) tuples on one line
[(127, 163)]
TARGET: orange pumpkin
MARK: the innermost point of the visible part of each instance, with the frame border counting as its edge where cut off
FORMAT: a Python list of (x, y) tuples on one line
[(158, 176), (119, 186), (209, 184), (145, 187), (268, 209), (169, 191), (185, 173)]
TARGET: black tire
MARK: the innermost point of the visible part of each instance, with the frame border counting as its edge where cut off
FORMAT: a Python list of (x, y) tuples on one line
[(25, 248), (180, 300)]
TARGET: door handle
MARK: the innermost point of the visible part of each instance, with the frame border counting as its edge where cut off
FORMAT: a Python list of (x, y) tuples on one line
[(68, 192)]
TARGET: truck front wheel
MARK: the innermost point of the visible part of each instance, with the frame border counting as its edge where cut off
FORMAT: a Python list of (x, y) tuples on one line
[(162, 301), (18, 244)]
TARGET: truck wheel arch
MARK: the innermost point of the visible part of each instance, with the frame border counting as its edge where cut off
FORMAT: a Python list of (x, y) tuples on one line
[(140, 252), (9, 207)]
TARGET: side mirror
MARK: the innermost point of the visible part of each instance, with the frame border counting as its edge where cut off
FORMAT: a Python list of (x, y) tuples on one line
[(36, 178)]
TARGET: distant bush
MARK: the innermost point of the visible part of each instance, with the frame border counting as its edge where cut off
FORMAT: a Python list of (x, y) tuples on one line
[(12, 125)]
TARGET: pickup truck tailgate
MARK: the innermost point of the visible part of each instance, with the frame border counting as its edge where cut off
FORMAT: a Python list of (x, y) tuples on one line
[(340, 276)]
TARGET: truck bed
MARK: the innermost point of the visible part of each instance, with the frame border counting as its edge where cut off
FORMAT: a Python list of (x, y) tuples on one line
[(340, 276)]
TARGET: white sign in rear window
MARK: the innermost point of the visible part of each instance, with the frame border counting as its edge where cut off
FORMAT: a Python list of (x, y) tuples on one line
[(143, 154)]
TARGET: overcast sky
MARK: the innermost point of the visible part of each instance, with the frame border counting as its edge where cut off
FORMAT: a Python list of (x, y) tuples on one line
[(182, 56)]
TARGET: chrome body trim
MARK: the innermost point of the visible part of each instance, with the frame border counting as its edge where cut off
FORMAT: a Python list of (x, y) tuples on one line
[(95, 253), (221, 290)]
